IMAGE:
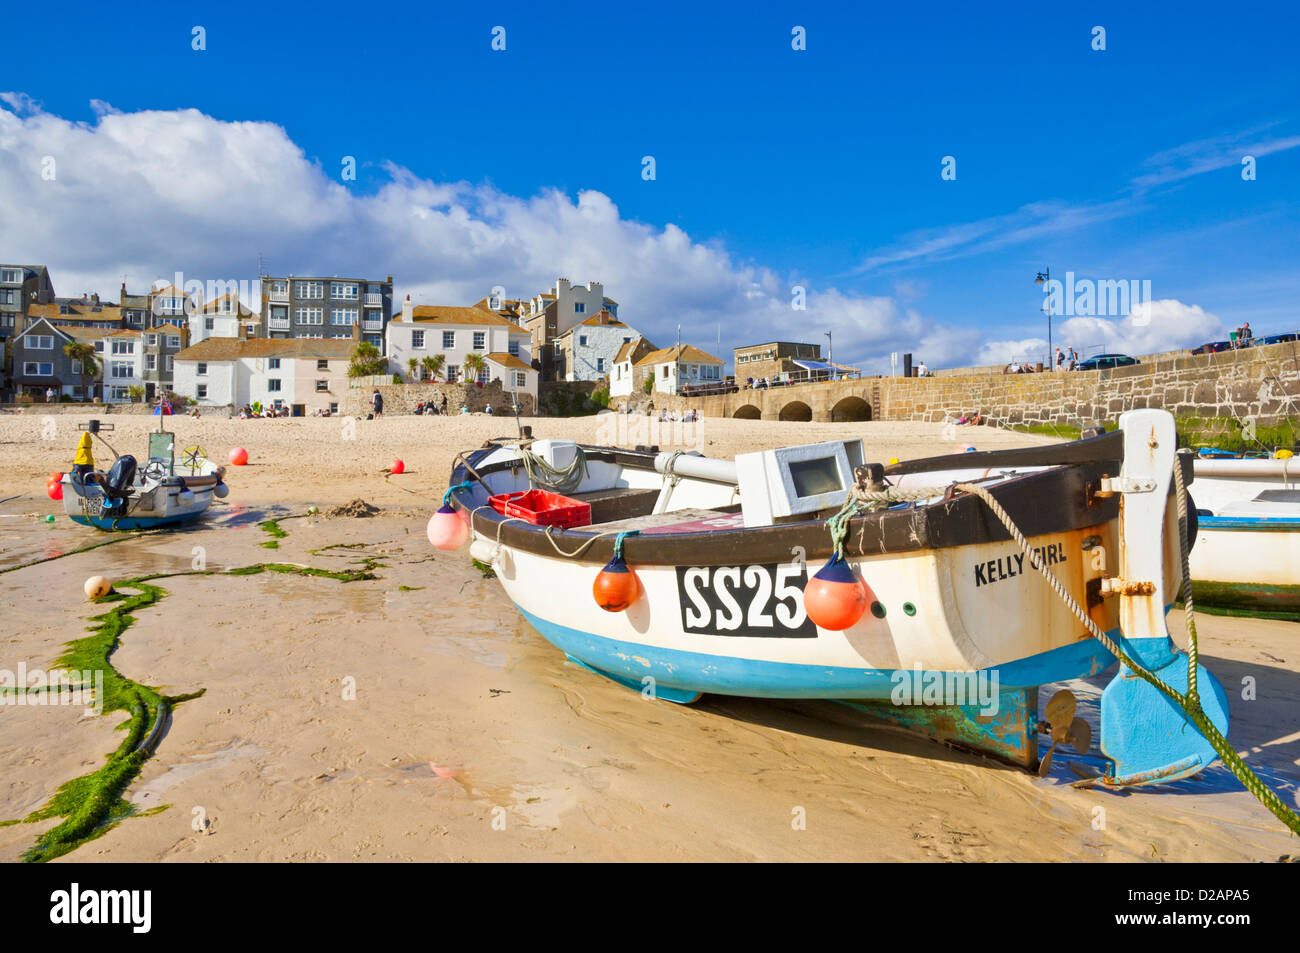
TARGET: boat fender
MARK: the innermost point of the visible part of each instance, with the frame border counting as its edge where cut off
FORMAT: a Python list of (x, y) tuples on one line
[(616, 586), (447, 528), (221, 491), (836, 597)]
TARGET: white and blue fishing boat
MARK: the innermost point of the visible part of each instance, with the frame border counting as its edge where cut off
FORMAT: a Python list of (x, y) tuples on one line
[(1247, 552), (959, 624), (132, 497)]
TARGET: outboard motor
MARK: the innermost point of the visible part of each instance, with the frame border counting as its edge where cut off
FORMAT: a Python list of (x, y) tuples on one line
[(117, 485)]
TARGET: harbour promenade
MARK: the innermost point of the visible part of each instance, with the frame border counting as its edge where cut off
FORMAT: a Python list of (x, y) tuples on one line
[(1259, 383)]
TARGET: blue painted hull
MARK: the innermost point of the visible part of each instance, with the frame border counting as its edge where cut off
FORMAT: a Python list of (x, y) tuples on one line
[(696, 672), (134, 522)]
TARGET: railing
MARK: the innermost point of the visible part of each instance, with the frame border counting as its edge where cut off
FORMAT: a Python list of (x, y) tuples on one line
[(731, 385), (372, 324), (278, 296), (278, 324), (374, 300)]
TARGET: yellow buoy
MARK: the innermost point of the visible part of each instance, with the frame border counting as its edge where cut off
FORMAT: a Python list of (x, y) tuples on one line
[(97, 586), (1283, 455)]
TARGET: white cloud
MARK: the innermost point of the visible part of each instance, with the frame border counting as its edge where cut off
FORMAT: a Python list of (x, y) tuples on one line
[(147, 194)]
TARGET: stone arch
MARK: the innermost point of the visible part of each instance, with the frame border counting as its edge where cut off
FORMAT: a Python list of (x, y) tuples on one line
[(796, 410), (851, 409), (748, 412)]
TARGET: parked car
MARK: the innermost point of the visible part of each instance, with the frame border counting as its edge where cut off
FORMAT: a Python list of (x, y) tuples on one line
[(1280, 338), (1213, 347), (1103, 361)]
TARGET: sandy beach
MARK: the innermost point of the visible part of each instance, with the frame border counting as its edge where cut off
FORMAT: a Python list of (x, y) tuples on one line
[(416, 716)]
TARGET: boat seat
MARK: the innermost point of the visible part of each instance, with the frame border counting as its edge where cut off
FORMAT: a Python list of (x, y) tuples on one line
[(617, 503), (654, 523)]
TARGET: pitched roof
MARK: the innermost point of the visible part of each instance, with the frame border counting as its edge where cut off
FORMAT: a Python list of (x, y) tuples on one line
[(211, 307), (681, 353), (124, 334), (232, 349), (507, 360), (166, 327), (450, 314), (86, 334), (78, 310), (629, 347)]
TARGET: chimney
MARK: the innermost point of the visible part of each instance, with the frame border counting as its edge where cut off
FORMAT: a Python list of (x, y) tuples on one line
[(94, 299), (561, 286), (121, 298), (408, 312)]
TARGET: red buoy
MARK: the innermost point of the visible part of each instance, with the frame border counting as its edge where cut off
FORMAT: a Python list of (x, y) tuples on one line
[(397, 466), (238, 456), (616, 586), (447, 528), (55, 490), (836, 597)]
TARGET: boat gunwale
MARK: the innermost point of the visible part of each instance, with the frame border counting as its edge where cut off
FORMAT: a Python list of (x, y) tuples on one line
[(960, 520)]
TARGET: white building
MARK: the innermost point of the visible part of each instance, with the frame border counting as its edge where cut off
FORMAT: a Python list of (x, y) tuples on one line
[(221, 318), (122, 365), (675, 367), (624, 376), (304, 374), (588, 350), (454, 333)]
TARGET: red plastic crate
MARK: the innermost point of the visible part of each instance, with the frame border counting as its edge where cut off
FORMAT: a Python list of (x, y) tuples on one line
[(542, 508)]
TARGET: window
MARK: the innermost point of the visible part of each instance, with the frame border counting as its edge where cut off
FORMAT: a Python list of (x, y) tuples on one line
[(273, 384), (322, 387), (34, 369), (376, 339), (345, 316), (119, 393), (7, 295), (582, 340), (483, 375), (341, 291), (122, 369), (521, 379), (167, 362), (11, 276), (76, 368), (309, 315), (151, 362), (600, 364), (334, 408), (202, 369), (151, 340), (173, 340), (209, 324), (417, 340), (273, 363), (310, 290), (579, 308), (323, 365), (480, 340), (452, 373), (39, 342), (99, 346), (202, 391), (448, 340), (513, 348), (280, 288), (123, 347)]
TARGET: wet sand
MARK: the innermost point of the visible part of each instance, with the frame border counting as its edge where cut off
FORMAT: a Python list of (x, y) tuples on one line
[(471, 738)]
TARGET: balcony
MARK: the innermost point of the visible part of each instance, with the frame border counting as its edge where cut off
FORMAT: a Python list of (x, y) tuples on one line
[(277, 324), (281, 295), (374, 299), (372, 324)]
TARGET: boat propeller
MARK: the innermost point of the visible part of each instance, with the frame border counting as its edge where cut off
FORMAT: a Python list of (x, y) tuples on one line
[(1062, 726)]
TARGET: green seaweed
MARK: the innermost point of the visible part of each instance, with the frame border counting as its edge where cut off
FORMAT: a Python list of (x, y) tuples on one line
[(485, 568), (409, 588)]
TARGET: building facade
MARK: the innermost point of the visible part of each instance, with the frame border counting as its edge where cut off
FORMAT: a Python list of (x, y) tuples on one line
[(588, 349), (676, 367), (768, 360), (326, 308), (307, 375), (548, 315), (626, 377), (21, 286)]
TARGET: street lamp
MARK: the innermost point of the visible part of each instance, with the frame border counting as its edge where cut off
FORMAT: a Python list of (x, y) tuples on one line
[(830, 354), (1043, 276)]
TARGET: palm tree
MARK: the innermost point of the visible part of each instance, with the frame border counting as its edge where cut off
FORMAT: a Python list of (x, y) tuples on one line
[(367, 361), (433, 365), (85, 353), (413, 365), (474, 366)]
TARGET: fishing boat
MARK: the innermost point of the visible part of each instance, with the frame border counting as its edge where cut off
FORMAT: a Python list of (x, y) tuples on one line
[(1247, 552), (130, 496), (949, 557)]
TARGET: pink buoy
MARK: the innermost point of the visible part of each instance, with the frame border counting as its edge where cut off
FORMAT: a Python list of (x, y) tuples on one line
[(398, 467), (238, 456), (448, 529)]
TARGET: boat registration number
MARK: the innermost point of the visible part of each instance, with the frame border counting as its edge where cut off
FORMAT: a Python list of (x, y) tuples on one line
[(763, 601)]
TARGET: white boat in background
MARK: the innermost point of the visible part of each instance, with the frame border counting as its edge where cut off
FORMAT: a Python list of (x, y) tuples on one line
[(1247, 550)]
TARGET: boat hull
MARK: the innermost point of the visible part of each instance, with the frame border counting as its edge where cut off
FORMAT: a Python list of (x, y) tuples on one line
[(164, 505), (1247, 564)]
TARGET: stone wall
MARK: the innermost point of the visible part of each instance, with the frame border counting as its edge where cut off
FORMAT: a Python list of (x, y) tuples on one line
[(402, 398), (1262, 383)]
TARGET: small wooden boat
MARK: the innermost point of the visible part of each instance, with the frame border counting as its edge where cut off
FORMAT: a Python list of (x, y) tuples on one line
[(1247, 552), (159, 493), (959, 625)]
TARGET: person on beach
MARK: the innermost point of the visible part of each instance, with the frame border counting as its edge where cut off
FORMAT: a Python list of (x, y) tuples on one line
[(49, 395), (377, 405), (1060, 358), (444, 402), (84, 461)]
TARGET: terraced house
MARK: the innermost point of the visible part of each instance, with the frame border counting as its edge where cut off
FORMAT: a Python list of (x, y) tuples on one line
[(304, 374), (589, 349), (549, 315), (41, 363), (327, 308), (21, 286)]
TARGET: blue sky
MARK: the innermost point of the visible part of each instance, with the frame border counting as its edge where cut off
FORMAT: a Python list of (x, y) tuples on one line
[(821, 167)]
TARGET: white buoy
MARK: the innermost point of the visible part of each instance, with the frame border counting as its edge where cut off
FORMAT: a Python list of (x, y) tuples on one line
[(97, 587)]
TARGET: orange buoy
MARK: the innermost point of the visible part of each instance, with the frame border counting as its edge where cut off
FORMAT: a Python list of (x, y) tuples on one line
[(836, 597), (54, 490), (238, 456), (397, 466), (616, 586), (447, 528)]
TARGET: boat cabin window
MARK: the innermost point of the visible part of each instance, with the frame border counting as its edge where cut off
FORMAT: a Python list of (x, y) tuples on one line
[(815, 477)]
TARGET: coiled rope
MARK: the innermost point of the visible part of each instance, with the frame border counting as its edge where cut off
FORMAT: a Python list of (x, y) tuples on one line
[(561, 480)]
